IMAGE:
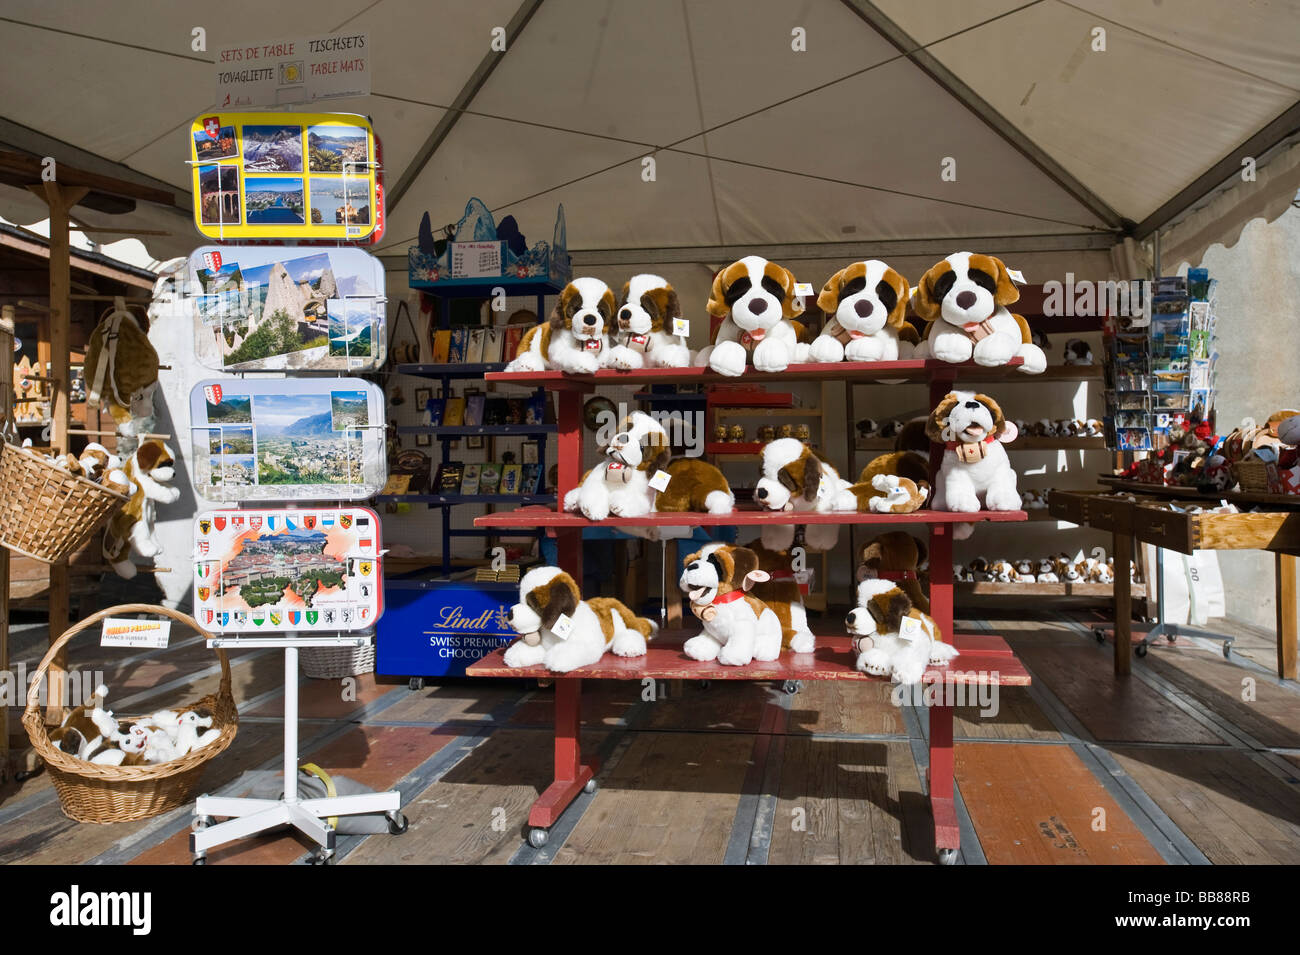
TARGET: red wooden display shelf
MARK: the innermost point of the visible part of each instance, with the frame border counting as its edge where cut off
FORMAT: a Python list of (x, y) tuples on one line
[(915, 369), (545, 517)]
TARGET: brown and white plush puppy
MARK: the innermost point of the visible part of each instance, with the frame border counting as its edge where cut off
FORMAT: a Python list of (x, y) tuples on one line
[(121, 371), (561, 631), (620, 485), (891, 637), (965, 299), (756, 300), (644, 336), (795, 479), (896, 556), (976, 471), (894, 483), (866, 309), (575, 337), (149, 470), (782, 592), (738, 627)]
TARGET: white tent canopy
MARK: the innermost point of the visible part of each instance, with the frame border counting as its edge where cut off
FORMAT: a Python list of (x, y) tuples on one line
[(1056, 145)]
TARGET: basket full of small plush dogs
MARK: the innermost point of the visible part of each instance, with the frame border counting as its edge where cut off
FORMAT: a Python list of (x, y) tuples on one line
[(52, 504), (107, 768)]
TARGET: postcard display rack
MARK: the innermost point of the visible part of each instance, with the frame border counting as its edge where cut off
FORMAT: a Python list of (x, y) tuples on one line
[(985, 659), (308, 573)]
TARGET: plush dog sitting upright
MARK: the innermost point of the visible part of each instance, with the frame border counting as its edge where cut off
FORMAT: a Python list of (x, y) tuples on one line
[(643, 337), (964, 298), (896, 556), (976, 470), (891, 637), (756, 301), (866, 308), (549, 599), (620, 485), (149, 470), (781, 592), (738, 627), (574, 338)]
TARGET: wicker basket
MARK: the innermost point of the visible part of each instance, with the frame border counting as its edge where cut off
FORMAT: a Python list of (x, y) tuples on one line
[(48, 513), (1253, 477), (90, 792), (334, 663)]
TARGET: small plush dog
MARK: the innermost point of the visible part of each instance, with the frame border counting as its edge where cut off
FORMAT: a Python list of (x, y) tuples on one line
[(891, 637), (574, 337), (795, 479), (149, 470), (738, 627), (965, 299), (976, 471), (644, 337), (561, 631), (756, 301), (1077, 352), (897, 495), (897, 556), (866, 308)]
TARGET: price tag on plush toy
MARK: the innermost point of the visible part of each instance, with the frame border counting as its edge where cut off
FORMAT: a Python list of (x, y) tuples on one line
[(1009, 432), (1016, 276), (682, 326), (803, 288), (756, 577), (822, 487), (660, 481), (563, 626), (911, 629)]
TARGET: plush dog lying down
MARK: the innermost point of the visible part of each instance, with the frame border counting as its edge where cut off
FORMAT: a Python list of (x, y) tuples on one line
[(561, 631), (891, 637)]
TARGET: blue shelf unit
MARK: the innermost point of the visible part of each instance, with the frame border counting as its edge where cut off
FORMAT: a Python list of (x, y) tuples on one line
[(445, 374)]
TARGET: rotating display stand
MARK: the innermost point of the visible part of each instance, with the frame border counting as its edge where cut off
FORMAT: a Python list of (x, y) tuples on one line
[(985, 660)]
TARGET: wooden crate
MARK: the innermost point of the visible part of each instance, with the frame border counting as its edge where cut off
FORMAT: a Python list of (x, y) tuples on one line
[(1182, 532)]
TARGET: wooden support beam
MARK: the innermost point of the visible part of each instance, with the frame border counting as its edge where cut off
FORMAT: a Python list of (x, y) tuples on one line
[(6, 410)]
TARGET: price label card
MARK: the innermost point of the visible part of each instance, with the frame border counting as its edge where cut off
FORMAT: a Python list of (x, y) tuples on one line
[(562, 627), (803, 288), (124, 632), (682, 326), (911, 629), (660, 481)]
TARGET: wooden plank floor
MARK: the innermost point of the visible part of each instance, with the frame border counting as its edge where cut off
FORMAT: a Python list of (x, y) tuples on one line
[(743, 771)]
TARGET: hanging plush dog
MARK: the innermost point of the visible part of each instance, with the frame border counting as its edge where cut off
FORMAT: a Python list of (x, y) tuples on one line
[(149, 470), (122, 371)]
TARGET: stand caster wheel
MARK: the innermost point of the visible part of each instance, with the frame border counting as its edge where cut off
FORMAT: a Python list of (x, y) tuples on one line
[(590, 787), (416, 683), (321, 857), (201, 822), (1140, 649), (947, 857), (704, 684), (1100, 635), (538, 837), (1171, 637), (397, 824), (199, 860), (1227, 651), (791, 686), (25, 774)]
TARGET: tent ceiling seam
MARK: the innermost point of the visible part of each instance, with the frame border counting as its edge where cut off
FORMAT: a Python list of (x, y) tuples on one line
[(932, 67), (699, 112)]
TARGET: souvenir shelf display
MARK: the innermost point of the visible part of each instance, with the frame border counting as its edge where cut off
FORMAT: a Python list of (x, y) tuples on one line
[(480, 249)]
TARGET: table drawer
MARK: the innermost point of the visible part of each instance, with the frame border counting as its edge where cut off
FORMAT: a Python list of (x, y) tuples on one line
[(1109, 512), (1068, 506), (1189, 532)]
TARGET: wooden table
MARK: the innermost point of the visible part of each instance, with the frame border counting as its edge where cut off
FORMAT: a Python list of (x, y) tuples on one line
[(985, 660), (1144, 520)]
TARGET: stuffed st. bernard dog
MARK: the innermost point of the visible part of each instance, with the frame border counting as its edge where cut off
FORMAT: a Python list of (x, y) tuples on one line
[(756, 300), (149, 472), (891, 637), (866, 308), (644, 337), (783, 594), (964, 299), (738, 627), (795, 479), (976, 470), (574, 337), (561, 631), (896, 556), (620, 485)]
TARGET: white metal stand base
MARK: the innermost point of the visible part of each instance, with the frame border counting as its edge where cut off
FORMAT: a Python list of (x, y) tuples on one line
[(247, 817)]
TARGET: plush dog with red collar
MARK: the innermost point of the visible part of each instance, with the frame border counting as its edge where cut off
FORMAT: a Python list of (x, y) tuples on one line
[(891, 637), (756, 301), (575, 336), (896, 556), (783, 592), (644, 336), (976, 471), (965, 299), (738, 627), (866, 305), (561, 631)]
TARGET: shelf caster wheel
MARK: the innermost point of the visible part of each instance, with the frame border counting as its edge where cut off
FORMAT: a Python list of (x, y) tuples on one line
[(397, 824), (199, 860), (704, 684), (947, 857), (791, 687), (589, 788), (1100, 635), (537, 838), (416, 683), (1227, 651), (1140, 649), (1171, 637)]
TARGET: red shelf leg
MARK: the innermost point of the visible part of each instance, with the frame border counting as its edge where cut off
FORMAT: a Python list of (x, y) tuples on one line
[(942, 804), (571, 774)]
